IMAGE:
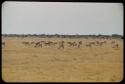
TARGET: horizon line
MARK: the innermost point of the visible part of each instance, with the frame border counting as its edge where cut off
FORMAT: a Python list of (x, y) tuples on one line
[(63, 34)]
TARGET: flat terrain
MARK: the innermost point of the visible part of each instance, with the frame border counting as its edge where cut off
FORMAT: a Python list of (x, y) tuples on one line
[(26, 63)]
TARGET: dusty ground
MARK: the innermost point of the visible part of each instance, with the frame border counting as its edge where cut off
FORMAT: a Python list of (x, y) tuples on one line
[(22, 63)]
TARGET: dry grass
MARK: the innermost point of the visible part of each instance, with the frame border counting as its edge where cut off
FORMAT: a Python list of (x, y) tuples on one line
[(28, 64)]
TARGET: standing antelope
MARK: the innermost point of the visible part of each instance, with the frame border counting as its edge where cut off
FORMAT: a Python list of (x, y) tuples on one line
[(113, 42), (61, 44), (79, 44)]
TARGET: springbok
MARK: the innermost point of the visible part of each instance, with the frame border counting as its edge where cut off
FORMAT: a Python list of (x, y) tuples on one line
[(113, 42), (39, 44), (79, 44), (72, 44), (115, 46), (61, 44)]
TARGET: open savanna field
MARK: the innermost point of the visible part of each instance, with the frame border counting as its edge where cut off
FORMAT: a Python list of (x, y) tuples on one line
[(27, 63)]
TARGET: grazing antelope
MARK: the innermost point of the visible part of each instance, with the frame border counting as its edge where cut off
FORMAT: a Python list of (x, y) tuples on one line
[(39, 44), (115, 46), (100, 43), (48, 43), (72, 44)]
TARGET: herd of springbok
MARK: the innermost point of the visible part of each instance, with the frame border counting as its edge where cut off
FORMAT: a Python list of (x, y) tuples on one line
[(61, 44)]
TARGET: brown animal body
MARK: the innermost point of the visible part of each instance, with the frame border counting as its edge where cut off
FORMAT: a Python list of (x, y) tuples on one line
[(115, 46), (79, 44), (61, 45), (72, 44), (39, 44)]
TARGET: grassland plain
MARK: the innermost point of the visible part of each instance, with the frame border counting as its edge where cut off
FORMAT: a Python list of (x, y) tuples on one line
[(22, 63)]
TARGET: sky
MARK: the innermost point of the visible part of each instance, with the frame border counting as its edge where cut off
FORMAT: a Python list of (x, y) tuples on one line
[(62, 18)]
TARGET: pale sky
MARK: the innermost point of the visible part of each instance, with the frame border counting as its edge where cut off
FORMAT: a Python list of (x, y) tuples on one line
[(62, 18)]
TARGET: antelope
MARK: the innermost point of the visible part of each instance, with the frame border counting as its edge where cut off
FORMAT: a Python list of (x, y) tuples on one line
[(115, 46), (39, 44), (79, 44), (61, 44), (72, 44), (48, 43), (113, 42)]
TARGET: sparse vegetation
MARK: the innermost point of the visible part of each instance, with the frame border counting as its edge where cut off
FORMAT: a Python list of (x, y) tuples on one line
[(63, 36), (22, 62)]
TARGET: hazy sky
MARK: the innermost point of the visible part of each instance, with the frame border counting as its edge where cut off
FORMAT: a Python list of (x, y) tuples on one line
[(62, 18)]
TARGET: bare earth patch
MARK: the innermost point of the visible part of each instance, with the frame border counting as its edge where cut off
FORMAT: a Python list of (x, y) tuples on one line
[(49, 64)]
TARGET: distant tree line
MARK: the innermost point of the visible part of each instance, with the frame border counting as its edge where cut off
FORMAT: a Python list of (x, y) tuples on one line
[(63, 36)]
